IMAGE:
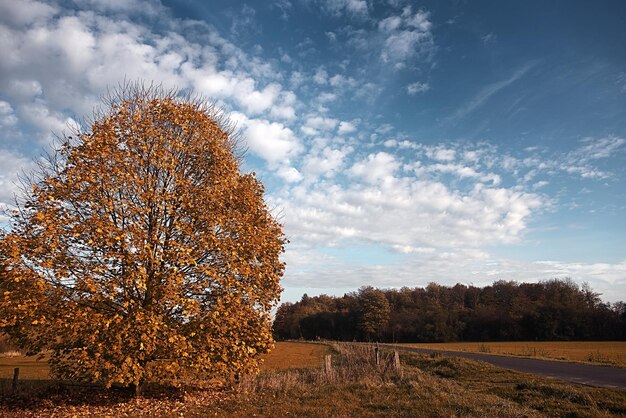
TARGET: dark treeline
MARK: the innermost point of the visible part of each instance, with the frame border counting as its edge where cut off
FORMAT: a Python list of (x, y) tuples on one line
[(505, 311)]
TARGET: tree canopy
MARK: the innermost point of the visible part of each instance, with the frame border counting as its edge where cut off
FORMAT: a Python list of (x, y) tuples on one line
[(140, 249), (373, 312), (505, 311)]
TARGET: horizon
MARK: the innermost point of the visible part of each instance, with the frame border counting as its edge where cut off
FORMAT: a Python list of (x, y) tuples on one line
[(567, 281), (400, 142)]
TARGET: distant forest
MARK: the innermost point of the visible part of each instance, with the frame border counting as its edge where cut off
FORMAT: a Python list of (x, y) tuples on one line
[(554, 310)]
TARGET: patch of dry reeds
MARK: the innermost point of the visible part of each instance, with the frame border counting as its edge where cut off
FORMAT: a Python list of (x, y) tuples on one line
[(350, 364)]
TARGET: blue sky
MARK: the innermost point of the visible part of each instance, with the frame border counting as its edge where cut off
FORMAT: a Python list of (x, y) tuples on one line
[(401, 142)]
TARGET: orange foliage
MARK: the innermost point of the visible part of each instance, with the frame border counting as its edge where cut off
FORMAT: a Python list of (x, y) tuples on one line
[(142, 251)]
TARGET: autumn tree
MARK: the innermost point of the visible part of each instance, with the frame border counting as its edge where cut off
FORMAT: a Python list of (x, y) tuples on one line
[(374, 311), (140, 250)]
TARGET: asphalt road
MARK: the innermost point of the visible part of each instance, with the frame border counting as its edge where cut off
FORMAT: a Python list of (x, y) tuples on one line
[(602, 376)]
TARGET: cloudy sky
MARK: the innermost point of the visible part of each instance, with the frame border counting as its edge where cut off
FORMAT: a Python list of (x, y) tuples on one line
[(401, 142)]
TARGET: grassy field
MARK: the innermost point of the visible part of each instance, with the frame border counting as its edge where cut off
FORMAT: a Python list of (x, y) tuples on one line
[(426, 386), (293, 383), (595, 352), (289, 355), (30, 367), (284, 356)]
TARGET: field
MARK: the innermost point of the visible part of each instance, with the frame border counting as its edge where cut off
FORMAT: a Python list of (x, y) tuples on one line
[(284, 356), (595, 352), (295, 355), (294, 383), (30, 367)]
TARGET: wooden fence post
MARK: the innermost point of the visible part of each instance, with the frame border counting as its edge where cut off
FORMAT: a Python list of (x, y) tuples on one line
[(16, 376), (396, 362), (328, 365), (377, 354)]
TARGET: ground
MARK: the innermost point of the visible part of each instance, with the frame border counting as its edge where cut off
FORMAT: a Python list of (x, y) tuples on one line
[(294, 383)]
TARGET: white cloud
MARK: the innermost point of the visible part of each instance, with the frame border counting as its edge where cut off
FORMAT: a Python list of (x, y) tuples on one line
[(24, 90), (320, 76), (440, 153), (407, 249), (352, 8), (384, 128), (284, 6), (25, 12), (584, 171), (417, 87), (289, 174), (489, 38), (244, 21), (7, 116), (285, 109), (56, 62), (47, 121), (123, 7), (309, 131), (408, 145), (381, 207), (346, 128), (320, 123), (59, 67), (462, 171), (256, 101), (406, 36), (376, 167), (324, 163), (357, 7), (470, 267), (272, 141), (296, 79), (582, 161), (408, 206), (471, 156), (390, 24), (342, 81), (595, 149), (70, 57), (327, 97), (620, 81), (13, 165), (485, 94)]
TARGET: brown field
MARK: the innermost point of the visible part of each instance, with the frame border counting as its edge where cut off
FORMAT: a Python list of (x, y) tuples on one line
[(595, 352), (293, 383), (285, 355), (288, 355), (30, 367), (427, 386)]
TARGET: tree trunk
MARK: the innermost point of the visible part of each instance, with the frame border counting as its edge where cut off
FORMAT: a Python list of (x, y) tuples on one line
[(137, 387)]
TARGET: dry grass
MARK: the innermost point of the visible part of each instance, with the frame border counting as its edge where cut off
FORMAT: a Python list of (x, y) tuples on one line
[(599, 352), (38, 394), (426, 386), (285, 355), (30, 367), (357, 386), (288, 355)]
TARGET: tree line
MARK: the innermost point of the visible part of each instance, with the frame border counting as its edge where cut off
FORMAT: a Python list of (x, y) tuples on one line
[(551, 310)]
